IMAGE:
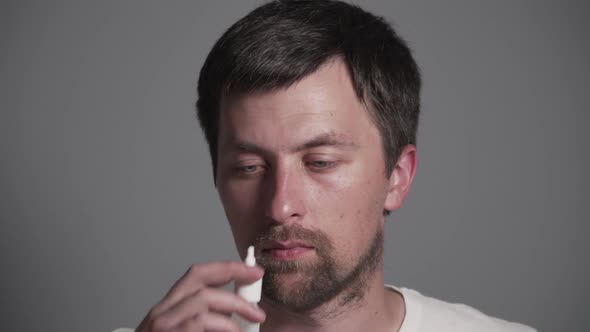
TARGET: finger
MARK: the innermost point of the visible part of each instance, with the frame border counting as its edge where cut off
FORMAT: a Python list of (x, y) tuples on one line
[(208, 275), (213, 300), (220, 273), (210, 322)]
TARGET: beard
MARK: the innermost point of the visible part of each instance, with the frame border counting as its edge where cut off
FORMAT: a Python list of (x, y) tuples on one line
[(322, 280)]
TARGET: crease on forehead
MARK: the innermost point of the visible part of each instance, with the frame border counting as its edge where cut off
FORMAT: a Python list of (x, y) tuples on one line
[(329, 138)]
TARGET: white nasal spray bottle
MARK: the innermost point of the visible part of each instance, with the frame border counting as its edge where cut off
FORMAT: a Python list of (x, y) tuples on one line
[(250, 293)]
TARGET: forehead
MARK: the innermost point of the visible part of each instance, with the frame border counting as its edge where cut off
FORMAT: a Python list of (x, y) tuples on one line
[(323, 102)]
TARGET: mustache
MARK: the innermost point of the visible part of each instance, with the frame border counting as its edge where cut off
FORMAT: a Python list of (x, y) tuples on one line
[(295, 232)]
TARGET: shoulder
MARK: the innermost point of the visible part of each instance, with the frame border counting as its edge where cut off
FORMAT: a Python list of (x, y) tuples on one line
[(426, 314)]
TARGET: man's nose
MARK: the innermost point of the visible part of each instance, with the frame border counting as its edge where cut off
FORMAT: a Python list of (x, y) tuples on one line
[(285, 188)]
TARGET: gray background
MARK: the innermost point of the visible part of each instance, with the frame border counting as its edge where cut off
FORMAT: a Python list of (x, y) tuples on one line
[(105, 189)]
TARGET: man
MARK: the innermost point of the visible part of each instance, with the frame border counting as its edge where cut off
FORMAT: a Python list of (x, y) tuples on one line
[(310, 109)]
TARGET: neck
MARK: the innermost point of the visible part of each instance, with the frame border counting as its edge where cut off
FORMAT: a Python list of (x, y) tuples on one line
[(376, 309)]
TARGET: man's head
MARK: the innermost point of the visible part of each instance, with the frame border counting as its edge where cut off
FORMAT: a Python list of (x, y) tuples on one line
[(282, 42), (310, 109)]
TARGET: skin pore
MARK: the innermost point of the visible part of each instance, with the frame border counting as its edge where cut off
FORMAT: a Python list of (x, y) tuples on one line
[(303, 167)]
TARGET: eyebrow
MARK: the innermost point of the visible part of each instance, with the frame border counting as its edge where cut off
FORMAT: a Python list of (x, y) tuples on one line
[(326, 139)]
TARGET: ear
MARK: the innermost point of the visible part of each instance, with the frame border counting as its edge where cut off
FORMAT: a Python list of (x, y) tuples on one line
[(401, 178)]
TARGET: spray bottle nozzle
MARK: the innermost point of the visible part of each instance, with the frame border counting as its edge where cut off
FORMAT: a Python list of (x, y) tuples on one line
[(250, 259)]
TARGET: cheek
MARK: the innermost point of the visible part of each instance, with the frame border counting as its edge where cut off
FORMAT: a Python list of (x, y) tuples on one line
[(353, 205), (356, 193), (239, 203), (239, 196)]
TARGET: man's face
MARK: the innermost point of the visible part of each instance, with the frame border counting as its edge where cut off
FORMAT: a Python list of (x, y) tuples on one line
[(301, 175)]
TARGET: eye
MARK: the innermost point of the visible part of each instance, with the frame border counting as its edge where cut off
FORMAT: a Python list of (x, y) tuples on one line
[(320, 164), (248, 170)]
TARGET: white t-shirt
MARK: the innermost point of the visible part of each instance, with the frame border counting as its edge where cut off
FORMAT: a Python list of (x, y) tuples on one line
[(427, 314)]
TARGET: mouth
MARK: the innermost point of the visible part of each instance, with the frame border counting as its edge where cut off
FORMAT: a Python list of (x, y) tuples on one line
[(287, 250)]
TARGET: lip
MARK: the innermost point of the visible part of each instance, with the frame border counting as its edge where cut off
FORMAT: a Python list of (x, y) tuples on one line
[(286, 250), (286, 245)]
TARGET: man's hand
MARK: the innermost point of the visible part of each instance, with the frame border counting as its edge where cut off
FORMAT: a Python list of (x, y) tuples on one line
[(196, 303)]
